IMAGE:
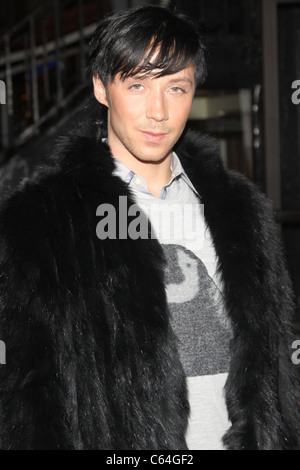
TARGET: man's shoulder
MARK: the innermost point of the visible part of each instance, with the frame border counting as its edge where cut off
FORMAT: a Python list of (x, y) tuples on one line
[(83, 150), (76, 156), (223, 191), (35, 210), (199, 153), (198, 148)]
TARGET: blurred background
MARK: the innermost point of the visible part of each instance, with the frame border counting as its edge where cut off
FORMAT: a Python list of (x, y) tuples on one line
[(250, 101)]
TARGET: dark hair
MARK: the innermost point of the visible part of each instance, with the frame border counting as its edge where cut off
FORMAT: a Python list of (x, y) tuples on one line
[(126, 42)]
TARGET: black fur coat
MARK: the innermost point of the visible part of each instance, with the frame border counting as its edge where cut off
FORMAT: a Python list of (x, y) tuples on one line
[(92, 362)]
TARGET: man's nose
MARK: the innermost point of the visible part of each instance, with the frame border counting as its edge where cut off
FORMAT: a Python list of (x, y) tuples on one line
[(157, 106)]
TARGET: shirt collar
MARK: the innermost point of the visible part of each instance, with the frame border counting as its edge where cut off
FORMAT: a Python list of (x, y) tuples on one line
[(177, 172)]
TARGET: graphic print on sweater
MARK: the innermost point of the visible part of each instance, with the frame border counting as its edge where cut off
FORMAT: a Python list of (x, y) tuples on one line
[(197, 318)]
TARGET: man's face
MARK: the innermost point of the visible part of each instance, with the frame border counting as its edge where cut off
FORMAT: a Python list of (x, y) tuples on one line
[(146, 114)]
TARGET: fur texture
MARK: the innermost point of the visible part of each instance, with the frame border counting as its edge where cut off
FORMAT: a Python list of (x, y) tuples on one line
[(92, 362)]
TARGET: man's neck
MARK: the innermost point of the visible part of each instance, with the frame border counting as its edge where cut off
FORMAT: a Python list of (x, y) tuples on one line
[(156, 174)]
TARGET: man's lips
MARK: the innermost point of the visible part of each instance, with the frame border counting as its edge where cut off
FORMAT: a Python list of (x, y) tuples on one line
[(154, 136)]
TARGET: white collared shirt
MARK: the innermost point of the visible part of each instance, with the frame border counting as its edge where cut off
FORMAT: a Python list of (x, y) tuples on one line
[(194, 297)]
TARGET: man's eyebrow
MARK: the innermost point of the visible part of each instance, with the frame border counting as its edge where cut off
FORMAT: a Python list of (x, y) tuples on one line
[(138, 77), (172, 80), (181, 79)]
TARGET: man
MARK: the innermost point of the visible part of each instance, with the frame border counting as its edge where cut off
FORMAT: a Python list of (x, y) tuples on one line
[(112, 333)]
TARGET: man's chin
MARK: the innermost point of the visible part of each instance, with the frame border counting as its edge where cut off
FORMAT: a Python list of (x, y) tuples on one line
[(152, 159), (154, 154)]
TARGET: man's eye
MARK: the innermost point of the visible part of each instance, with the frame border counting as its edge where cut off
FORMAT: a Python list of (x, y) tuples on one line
[(137, 86), (177, 89)]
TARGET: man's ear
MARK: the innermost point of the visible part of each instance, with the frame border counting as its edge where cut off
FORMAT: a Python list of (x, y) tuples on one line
[(99, 90)]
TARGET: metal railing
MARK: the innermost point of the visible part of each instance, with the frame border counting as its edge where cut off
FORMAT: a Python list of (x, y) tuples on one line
[(42, 64)]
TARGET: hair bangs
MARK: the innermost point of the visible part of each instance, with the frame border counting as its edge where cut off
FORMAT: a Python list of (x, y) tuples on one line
[(159, 59)]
